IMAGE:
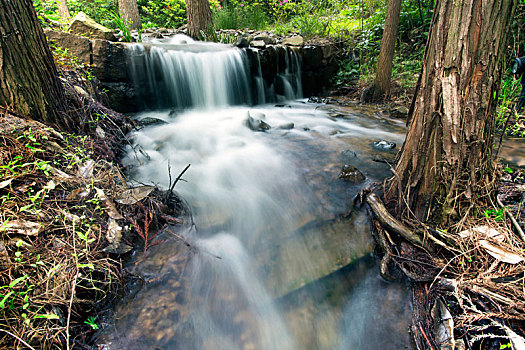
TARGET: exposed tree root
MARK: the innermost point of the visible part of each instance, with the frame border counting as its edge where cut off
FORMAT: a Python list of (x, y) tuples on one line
[(477, 276)]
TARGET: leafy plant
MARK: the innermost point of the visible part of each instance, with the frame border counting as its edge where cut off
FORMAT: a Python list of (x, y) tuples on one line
[(123, 26), (91, 322)]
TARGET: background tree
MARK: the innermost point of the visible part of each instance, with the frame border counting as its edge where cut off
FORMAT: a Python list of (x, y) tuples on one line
[(29, 81), (129, 12), (381, 87), (199, 18), (63, 11), (446, 162)]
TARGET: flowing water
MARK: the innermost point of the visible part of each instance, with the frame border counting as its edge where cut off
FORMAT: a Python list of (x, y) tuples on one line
[(278, 255)]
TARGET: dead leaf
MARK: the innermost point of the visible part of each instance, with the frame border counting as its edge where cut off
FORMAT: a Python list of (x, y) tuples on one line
[(22, 227), (78, 193), (485, 231), (86, 169), (6, 183), (108, 203), (500, 253), (114, 233), (134, 195)]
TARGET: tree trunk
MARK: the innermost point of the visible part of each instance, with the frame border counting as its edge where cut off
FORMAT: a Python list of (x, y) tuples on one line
[(63, 11), (199, 18), (29, 81), (446, 163), (386, 54), (129, 12)]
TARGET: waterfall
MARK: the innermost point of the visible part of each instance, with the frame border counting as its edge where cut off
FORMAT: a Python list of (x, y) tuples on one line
[(181, 73)]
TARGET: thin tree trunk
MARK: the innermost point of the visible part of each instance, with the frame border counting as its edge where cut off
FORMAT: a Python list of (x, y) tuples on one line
[(386, 54), (129, 12), (199, 18), (446, 163), (29, 81), (63, 11)]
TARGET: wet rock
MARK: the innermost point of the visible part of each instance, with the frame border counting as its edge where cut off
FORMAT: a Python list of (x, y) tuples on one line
[(315, 99), (399, 112), (294, 41), (288, 126), (78, 46), (259, 44), (81, 24), (384, 145), (256, 124), (150, 121), (351, 173)]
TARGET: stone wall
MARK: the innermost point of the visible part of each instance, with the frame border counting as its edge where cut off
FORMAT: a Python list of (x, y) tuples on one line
[(109, 63)]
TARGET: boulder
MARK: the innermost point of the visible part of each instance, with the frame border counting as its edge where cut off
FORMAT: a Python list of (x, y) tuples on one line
[(266, 38), (287, 126), (110, 61), (242, 42), (76, 45), (294, 41), (258, 44), (351, 174), (81, 24)]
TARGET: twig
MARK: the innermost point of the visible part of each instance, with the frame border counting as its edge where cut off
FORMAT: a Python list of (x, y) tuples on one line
[(513, 220), (18, 338), (172, 185)]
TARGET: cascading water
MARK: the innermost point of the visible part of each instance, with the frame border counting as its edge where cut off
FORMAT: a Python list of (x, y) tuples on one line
[(181, 73), (275, 247)]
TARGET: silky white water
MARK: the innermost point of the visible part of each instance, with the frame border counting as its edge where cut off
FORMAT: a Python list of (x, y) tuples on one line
[(275, 246)]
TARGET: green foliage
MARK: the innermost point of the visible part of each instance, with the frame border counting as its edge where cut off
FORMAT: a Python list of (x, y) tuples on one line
[(99, 10), (496, 214), (509, 90), (235, 14), (162, 13), (46, 12)]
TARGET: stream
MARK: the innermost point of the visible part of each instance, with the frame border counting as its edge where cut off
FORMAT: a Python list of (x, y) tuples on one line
[(279, 256)]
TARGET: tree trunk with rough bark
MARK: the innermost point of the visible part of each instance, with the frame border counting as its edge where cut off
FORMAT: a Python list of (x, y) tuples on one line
[(63, 11), (386, 54), (129, 12), (446, 162), (29, 81), (199, 18)]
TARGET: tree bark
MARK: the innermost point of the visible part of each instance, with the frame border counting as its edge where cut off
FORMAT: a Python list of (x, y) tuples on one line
[(446, 162), (386, 54), (29, 81), (199, 18), (129, 12), (63, 11)]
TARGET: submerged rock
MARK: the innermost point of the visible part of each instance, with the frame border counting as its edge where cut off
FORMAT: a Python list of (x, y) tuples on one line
[(383, 144), (351, 174)]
